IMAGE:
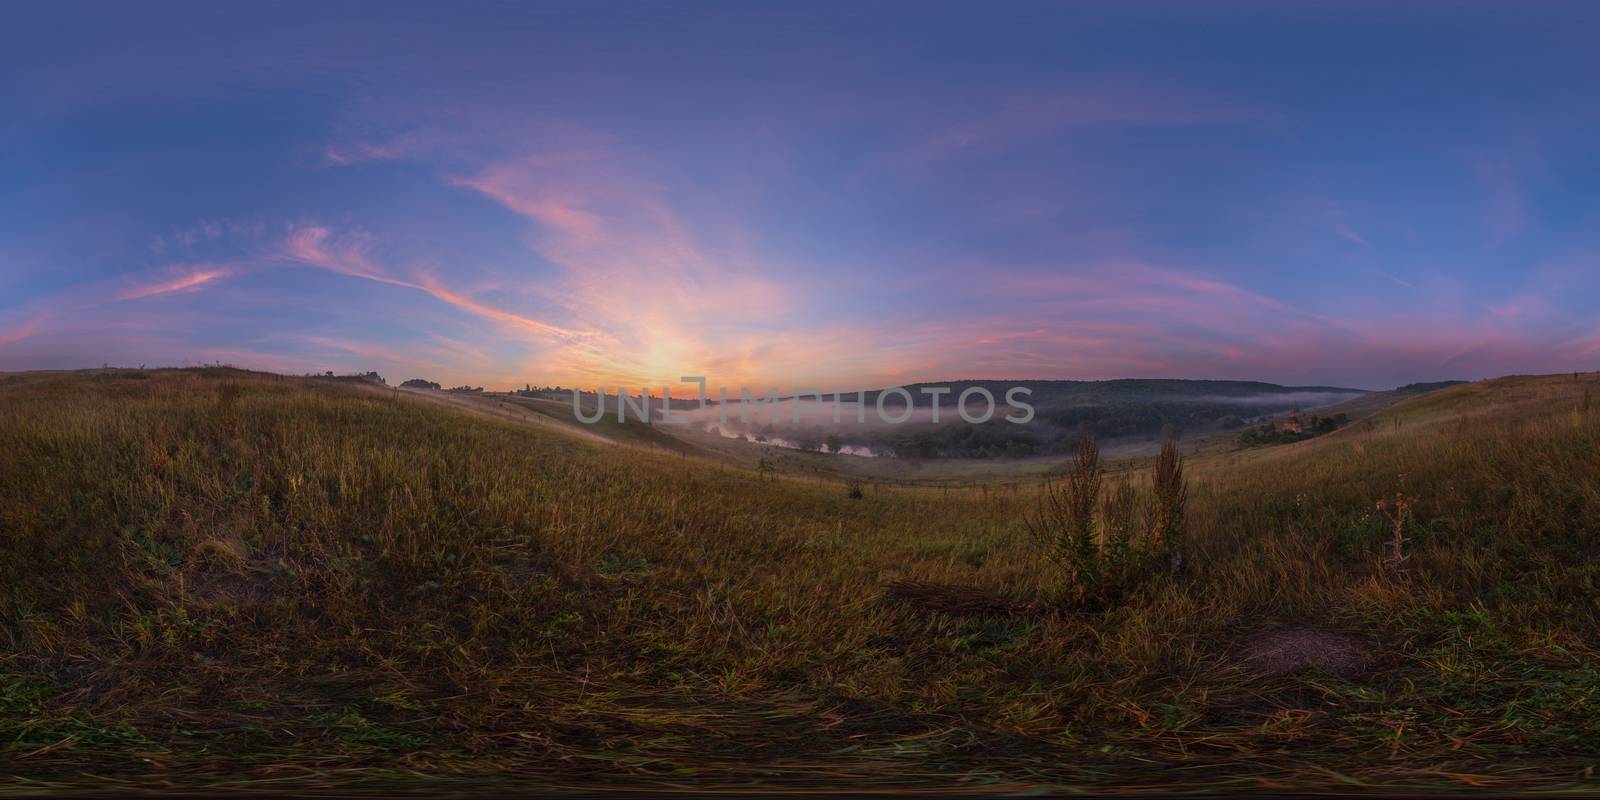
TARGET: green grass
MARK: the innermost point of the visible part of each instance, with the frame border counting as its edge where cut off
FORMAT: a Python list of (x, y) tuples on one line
[(231, 580)]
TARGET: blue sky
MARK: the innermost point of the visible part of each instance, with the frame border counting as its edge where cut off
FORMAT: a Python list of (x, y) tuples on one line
[(822, 194)]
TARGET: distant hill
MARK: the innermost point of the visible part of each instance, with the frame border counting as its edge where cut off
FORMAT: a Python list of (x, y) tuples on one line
[(1123, 390)]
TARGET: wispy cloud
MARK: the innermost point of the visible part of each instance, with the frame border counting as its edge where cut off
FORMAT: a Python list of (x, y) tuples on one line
[(367, 352), (1398, 281), (67, 308), (1345, 232), (189, 278), (347, 254), (350, 254), (19, 333), (989, 123), (657, 296), (1504, 171)]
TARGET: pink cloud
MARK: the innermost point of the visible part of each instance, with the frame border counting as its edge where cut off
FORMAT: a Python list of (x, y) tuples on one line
[(430, 284), (26, 330), (317, 246), (659, 293), (350, 255), (65, 309), (192, 278)]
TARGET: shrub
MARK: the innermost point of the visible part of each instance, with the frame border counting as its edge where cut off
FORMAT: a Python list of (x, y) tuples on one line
[(1119, 513), (1101, 547)]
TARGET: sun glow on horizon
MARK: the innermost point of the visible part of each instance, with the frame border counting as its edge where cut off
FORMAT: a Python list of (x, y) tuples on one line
[(682, 206)]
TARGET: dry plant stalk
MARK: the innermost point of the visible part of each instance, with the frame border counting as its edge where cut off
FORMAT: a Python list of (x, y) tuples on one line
[(1397, 512), (1083, 497), (1065, 526), (1171, 496)]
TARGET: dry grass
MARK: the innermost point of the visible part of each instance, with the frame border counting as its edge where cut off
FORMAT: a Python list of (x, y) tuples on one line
[(216, 579), (958, 600)]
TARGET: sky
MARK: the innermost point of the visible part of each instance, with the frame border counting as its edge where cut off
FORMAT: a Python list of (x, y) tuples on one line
[(825, 195)]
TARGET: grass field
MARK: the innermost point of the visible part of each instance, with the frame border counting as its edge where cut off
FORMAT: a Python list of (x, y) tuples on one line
[(219, 579)]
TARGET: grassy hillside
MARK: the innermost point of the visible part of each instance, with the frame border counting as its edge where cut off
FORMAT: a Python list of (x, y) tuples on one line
[(215, 578), (1371, 403)]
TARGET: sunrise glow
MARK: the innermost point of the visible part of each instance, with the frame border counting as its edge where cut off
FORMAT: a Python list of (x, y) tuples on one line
[(860, 199)]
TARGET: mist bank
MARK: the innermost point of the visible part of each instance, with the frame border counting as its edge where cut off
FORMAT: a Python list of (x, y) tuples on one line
[(1130, 410)]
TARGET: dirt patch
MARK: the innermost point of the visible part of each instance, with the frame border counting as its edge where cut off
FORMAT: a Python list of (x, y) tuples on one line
[(1292, 650), (957, 600)]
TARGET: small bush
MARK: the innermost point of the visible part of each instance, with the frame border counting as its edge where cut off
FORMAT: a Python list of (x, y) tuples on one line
[(1104, 548)]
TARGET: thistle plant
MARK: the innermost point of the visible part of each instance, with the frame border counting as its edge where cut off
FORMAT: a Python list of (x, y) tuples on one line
[(1398, 512), (1098, 543), (1065, 525)]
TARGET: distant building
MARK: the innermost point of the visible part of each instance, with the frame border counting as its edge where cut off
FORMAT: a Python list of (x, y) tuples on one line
[(1291, 423)]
